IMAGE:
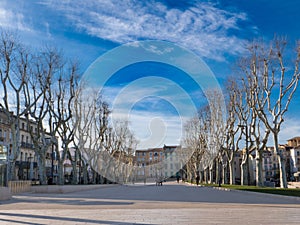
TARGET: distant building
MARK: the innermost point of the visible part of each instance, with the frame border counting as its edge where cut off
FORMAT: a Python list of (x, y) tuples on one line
[(26, 167), (157, 162), (294, 144)]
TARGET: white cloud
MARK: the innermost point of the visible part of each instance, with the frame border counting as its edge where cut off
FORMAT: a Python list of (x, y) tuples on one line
[(290, 128), (151, 122), (154, 129), (203, 27), (12, 19)]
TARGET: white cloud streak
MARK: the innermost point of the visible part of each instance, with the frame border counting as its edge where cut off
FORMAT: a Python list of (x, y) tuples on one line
[(12, 19), (203, 27)]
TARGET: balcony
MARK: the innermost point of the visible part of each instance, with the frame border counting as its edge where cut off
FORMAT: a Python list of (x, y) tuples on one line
[(26, 145)]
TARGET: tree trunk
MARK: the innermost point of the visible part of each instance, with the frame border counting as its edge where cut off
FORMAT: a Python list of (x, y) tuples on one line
[(201, 177), (231, 171), (211, 174), (224, 175), (60, 172), (74, 172), (15, 150), (243, 173), (42, 168), (218, 176), (207, 175), (259, 171), (11, 167), (281, 161), (85, 173)]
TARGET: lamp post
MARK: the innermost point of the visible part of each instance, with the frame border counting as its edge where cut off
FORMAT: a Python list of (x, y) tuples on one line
[(247, 152)]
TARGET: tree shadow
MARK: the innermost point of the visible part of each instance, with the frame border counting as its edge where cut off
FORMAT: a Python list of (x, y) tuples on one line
[(58, 219), (183, 193)]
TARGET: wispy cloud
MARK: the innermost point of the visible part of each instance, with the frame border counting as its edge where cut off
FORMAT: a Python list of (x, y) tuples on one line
[(290, 128), (12, 19), (155, 116), (154, 129), (202, 27)]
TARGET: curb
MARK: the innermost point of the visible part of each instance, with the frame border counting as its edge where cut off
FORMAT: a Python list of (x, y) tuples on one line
[(260, 193)]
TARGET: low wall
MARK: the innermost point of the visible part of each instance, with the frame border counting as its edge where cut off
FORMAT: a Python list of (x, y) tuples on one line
[(5, 193), (16, 187), (60, 189)]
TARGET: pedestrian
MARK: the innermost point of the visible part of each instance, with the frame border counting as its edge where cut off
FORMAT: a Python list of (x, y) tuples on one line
[(197, 180), (177, 178)]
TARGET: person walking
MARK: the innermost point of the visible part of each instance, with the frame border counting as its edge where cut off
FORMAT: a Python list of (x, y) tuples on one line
[(197, 180)]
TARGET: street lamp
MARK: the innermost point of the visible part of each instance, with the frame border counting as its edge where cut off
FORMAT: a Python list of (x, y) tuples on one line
[(247, 152)]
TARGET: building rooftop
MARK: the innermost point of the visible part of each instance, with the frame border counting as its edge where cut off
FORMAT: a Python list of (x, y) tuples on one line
[(297, 137)]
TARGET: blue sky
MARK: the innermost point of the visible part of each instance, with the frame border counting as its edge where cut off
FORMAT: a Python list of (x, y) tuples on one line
[(216, 31)]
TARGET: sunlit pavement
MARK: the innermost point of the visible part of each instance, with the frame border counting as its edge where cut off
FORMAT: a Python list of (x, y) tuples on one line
[(171, 203)]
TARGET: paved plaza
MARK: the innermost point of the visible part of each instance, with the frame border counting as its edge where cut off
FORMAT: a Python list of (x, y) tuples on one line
[(171, 203)]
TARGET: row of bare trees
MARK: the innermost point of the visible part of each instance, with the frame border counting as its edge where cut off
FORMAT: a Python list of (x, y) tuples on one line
[(257, 98), (42, 87)]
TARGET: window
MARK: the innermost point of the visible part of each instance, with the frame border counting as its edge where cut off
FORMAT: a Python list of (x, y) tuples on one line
[(21, 158), (23, 126), (150, 153), (298, 153), (22, 138)]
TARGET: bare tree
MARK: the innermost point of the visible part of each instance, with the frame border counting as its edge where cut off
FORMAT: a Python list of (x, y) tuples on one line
[(14, 72), (215, 131), (60, 99), (195, 144), (91, 116), (272, 86), (233, 134), (44, 68)]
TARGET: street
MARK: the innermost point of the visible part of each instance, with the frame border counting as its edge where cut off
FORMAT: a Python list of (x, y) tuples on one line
[(171, 203)]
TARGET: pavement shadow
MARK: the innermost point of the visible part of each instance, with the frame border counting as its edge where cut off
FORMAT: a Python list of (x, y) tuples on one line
[(172, 192), (17, 218), (182, 193), (67, 201)]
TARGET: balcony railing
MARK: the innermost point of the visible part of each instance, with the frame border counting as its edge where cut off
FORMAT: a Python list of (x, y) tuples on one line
[(26, 145)]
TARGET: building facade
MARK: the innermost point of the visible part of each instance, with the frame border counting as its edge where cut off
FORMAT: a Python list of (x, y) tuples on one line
[(26, 167), (157, 162)]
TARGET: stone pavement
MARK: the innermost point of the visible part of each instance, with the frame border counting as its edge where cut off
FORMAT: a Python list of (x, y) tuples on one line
[(138, 204)]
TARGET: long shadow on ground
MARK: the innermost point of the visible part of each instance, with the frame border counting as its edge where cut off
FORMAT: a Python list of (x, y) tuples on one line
[(169, 192)]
